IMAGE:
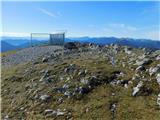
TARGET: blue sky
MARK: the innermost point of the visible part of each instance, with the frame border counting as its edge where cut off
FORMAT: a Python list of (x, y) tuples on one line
[(95, 19)]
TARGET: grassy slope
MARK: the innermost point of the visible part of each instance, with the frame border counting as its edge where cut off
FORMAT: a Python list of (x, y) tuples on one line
[(97, 102), (3, 54)]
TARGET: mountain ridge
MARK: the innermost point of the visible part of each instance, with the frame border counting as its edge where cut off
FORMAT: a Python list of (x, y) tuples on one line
[(23, 42)]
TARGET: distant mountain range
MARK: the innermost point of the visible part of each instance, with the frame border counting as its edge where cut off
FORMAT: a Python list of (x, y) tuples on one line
[(146, 43), (13, 43), (6, 46)]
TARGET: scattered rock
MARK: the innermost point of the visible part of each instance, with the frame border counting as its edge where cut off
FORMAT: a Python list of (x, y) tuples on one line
[(42, 79), (113, 62), (82, 72), (48, 80), (126, 85), (44, 59), (158, 99), (145, 61), (69, 116), (43, 71), (158, 57), (113, 94), (16, 91), (36, 97), (29, 54), (140, 68), (70, 68), (83, 90), (65, 86), (87, 109), (59, 89), (84, 81), (158, 78), (136, 77), (154, 70), (95, 81), (50, 112), (113, 107), (27, 86), (6, 117), (59, 112), (128, 50), (68, 94), (141, 57), (114, 82), (137, 88), (76, 81), (70, 45), (44, 98), (130, 82), (60, 100), (46, 74)]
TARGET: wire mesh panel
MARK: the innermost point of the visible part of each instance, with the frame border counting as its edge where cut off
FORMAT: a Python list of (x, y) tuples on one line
[(57, 39), (39, 39), (47, 39)]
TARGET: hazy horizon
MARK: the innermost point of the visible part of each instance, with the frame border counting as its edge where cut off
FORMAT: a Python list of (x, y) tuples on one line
[(72, 37)]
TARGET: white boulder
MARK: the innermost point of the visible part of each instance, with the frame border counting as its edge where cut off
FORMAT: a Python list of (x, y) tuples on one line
[(137, 88), (158, 78), (158, 99), (154, 70)]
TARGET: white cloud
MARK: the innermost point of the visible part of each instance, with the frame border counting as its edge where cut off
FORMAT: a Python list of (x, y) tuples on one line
[(119, 30), (122, 26), (154, 9), (124, 30), (51, 14), (155, 35)]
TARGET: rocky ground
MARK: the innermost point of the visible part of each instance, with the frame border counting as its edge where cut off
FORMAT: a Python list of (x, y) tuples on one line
[(29, 54), (89, 82)]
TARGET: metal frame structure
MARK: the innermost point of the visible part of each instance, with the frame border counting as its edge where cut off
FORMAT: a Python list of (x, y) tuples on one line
[(53, 38), (37, 34)]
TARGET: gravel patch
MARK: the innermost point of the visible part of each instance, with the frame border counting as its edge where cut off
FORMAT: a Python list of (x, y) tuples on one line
[(29, 54)]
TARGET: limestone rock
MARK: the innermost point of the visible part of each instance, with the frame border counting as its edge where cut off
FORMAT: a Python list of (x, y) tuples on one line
[(158, 78), (154, 70), (51, 112), (84, 81), (142, 62), (158, 57), (70, 45), (140, 68), (44, 59), (137, 88), (158, 99), (44, 97), (68, 94)]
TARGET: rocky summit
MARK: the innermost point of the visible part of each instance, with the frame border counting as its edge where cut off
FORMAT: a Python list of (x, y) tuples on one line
[(81, 82)]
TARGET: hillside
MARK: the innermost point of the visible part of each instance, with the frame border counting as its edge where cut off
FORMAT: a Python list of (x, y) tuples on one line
[(82, 82), (7, 47)]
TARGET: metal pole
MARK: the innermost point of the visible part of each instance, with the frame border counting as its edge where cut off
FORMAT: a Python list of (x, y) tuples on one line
[(50, 37), (31, 40)]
